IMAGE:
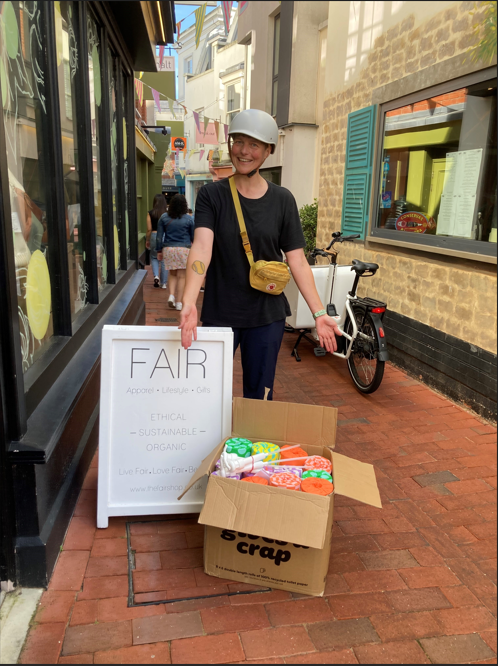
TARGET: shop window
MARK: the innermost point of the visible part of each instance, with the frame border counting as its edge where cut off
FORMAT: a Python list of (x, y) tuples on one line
[(97, 133), (233, 100), (126, 162), (26, 138), (437, 169), (67, 64), (188, 65), (113, 129), (276, 52)]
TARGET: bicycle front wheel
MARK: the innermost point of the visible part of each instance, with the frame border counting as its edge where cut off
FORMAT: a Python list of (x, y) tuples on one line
[(364, 366)]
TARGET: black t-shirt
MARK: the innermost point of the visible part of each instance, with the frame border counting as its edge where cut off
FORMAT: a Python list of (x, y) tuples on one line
[(273, 226)]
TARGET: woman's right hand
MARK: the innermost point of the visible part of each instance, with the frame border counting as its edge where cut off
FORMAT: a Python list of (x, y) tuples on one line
[(188, 325)]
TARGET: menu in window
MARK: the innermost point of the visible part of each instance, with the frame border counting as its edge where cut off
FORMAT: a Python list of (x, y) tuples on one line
[(459, 197)]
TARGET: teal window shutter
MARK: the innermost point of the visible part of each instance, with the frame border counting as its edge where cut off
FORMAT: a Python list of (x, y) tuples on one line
[(358, 171)]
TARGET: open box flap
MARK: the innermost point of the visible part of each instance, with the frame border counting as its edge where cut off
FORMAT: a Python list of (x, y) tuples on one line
[(204, 468), (293, 423), (355, 479), (285, 515)]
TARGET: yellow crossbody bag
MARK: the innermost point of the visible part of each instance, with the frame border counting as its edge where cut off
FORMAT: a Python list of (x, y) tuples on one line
[(268, 276)]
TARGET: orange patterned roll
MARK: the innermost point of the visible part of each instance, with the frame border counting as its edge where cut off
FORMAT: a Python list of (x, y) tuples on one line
[(317, 486), (255, 479), (293, 452), (285, 480), (318, 462)]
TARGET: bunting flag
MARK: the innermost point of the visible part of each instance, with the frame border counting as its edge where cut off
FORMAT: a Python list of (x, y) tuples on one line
[(196, 118), (141, 74), (192, 151), (139, 87), (217, 129), (200, 15), (220, 155), (182, 172), (206, 123), (161, 56), (242, 5), (227, 9), (225, 127), (155, 95), (201, 154), (178, 29), (171, 108)]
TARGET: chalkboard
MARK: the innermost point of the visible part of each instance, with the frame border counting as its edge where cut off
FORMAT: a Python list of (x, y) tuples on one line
[(162, 410)]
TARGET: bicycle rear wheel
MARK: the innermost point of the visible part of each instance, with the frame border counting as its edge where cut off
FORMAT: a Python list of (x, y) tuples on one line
[(363, 364)]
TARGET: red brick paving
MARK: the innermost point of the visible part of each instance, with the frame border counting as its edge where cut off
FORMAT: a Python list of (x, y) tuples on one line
[(414, 582)]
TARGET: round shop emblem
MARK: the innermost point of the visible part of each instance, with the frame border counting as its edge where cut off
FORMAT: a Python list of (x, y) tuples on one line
[(415, 222), (179, 143), (271, 286)]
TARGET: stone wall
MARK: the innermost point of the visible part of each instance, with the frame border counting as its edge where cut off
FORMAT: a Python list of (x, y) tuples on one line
[(451, 295)]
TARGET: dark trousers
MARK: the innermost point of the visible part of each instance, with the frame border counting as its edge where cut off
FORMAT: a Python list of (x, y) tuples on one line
[(259, 349)]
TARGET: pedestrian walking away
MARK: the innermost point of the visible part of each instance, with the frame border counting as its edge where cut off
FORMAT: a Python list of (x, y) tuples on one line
[(268, 221), (159, 207), (175, 232)]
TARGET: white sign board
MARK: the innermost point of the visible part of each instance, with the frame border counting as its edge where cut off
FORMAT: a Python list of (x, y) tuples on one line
[(167, 64), (162, 410)]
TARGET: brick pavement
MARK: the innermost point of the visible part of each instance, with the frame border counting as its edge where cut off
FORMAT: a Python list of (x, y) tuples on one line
[(414, 582)]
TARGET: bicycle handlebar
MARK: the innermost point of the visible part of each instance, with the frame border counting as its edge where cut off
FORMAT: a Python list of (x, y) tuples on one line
[(338, 237)]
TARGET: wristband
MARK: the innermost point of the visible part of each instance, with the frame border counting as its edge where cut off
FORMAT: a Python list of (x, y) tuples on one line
[(320, 313)]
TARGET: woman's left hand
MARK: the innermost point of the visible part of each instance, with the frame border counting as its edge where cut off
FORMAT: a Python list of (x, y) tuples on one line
[(327, 330)]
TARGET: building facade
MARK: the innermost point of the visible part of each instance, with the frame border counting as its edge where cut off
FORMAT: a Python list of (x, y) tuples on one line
[(408, 160), (389, 121), (68, 249)]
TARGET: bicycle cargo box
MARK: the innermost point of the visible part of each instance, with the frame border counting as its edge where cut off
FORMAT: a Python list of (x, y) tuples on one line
[(273, 537)]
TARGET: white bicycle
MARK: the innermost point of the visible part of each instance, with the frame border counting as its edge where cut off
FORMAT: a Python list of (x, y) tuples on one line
[(363, 342)]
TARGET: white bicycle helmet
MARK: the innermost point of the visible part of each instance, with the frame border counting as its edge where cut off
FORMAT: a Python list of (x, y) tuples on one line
[(258, 124)]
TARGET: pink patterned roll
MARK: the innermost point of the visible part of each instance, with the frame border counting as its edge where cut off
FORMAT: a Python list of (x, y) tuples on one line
[(228, 476), (278, 469), (289, 481), (318, 462)]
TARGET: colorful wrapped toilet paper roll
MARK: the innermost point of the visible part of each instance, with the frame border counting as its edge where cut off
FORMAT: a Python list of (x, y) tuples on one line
[(228, 476), (317, 486), (317, 474), (293, 452), (318, 462), (255, 479), (263, 447), (240, 446), (285, 480), (278, 469)]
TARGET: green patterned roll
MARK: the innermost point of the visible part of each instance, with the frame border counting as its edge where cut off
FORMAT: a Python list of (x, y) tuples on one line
[(262, 447), (240, 446), (318, 474)]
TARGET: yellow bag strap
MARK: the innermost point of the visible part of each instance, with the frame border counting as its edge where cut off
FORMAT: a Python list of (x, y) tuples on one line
[(242, 225)]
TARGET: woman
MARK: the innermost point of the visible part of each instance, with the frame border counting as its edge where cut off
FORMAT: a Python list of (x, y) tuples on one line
[(159, 207), (273, 226), (175, 233)]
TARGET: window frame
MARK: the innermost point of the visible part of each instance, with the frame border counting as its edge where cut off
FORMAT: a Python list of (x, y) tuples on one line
[(274, 79), (228, 113), (459, 247), (186, 61)]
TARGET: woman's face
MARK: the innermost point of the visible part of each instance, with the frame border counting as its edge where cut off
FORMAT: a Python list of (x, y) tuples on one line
[(248, 154)]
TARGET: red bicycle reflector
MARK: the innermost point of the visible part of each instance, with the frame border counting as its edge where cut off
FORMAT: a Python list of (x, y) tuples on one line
[(378, 310), (381, 332)]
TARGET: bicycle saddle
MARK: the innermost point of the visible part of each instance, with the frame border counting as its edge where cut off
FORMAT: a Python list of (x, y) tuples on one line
[(361, 267)]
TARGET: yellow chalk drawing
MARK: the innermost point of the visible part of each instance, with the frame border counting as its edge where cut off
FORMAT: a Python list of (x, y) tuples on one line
[(38, 295), (116, 248)]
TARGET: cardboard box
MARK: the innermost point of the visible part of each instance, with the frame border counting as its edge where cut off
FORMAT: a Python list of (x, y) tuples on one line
[(272, 536)]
